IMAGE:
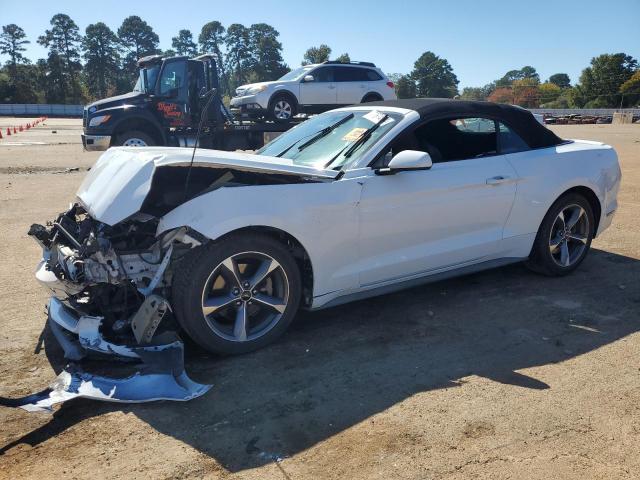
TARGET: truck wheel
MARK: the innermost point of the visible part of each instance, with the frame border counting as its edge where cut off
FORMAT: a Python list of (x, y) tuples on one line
[(238, 294), (134, 138), (282, 108)]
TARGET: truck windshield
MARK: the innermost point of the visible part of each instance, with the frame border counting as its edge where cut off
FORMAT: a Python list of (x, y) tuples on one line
[(152, 75), (329, 150)]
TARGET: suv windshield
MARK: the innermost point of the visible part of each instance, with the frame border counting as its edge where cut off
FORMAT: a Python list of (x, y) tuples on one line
[(329, 151), (152, 75), (295, 74)]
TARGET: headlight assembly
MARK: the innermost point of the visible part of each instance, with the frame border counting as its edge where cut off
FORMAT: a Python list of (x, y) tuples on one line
[(254, 90), (99, 120)]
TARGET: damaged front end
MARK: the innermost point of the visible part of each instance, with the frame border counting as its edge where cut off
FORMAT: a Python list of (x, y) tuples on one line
[(110, 287)]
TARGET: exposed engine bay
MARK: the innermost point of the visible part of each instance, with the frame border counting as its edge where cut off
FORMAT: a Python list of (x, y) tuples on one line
[(110, 287), (109, 262)]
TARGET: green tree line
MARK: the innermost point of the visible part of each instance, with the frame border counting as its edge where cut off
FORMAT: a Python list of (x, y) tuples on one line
[(101, 62)]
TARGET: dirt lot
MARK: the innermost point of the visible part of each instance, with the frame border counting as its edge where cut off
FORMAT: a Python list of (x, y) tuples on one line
[(498, 375)]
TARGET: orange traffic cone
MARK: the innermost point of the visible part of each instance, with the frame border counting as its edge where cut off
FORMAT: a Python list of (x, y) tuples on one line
[(20, 128), (8, 131), (0, 134), (14, 130)]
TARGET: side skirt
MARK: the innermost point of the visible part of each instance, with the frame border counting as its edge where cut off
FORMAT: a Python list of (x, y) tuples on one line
[(413, 282)]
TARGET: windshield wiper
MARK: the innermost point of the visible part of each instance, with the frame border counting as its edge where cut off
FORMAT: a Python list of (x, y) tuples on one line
[(361, 140), (316, 136), (324, 132)]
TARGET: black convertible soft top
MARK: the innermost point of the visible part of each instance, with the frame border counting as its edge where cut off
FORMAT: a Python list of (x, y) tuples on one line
[(520, 120)]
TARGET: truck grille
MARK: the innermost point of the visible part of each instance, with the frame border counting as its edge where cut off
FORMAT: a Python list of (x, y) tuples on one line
[(84, 117)]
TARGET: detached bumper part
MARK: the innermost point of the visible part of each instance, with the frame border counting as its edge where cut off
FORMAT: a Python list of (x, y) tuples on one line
[(161, 375), (138, 388)]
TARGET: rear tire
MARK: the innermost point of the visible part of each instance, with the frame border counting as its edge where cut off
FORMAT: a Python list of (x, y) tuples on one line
[(134, 138), (224, 302), (371, 97), (564, 237)]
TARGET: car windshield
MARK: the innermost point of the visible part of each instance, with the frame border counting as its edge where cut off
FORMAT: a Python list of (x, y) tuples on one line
[(152, 75), (295, 74), (331, 150)]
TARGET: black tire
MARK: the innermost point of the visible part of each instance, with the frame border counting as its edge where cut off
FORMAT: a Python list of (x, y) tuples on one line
[(191, 284), (542, 260), (371, 97), (130, 137), (276, 109)]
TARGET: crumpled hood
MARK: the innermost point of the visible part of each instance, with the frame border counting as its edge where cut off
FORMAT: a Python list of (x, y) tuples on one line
[(117, 185)]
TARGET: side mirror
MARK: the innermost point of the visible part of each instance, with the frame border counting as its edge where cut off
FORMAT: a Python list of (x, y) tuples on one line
[(309, 78), (407, 160)]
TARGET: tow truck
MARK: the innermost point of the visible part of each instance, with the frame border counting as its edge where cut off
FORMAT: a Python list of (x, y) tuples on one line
[(166, 108)]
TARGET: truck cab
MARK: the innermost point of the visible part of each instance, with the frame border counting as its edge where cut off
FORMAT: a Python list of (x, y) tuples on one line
[(164, 107)]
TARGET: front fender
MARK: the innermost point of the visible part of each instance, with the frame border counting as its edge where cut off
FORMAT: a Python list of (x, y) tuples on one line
[(322, 216)]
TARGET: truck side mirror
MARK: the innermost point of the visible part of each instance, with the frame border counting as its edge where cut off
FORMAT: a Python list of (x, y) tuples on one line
[(308, 78)]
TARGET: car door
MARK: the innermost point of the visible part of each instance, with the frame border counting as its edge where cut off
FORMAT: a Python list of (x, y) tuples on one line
[(172, 95), (421, 221), (322, 90), (351, 83)]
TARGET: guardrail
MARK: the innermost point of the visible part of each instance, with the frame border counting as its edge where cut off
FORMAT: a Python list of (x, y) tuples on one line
[(40, 109)]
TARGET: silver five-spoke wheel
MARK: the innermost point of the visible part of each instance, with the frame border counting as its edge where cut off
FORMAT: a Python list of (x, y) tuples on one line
[(245, 296), (569, 235)]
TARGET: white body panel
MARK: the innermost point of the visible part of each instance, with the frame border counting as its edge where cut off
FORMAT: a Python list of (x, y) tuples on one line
[(362, 230), (417, 221)]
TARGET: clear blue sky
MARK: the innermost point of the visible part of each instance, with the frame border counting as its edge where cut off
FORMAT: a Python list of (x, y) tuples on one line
[(482, 39)]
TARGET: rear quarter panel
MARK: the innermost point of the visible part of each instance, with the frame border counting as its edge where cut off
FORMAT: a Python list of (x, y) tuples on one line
[(545, 174)]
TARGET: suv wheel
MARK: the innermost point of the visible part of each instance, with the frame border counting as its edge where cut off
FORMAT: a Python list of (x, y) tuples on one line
[(371, 97), (282, 108), (238, 294)]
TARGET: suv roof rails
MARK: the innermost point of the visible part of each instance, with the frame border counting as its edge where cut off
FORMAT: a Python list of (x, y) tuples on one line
[(336, 62)]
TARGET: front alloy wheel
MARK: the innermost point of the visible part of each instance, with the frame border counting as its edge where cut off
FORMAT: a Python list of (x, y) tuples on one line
[(245, 296), (237, 294)]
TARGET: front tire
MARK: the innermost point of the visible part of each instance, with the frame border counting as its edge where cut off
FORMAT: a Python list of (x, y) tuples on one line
[(564, 237), (282, 108), (238, 294), (134, 138)]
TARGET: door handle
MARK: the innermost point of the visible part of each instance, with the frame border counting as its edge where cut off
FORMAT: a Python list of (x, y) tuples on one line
[(497, 180)]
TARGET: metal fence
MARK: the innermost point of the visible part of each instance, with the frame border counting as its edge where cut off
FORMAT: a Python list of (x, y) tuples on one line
[(38, 109), (597, 112)]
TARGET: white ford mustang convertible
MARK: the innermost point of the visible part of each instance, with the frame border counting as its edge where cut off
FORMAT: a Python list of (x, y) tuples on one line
[(352, 203)]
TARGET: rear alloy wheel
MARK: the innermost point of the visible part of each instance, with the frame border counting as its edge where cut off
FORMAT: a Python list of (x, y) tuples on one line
[(282, 108), (564, 238), (237, 295), (135, 138)]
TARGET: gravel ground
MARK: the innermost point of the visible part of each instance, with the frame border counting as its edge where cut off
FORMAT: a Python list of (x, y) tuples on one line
[(502, 374)]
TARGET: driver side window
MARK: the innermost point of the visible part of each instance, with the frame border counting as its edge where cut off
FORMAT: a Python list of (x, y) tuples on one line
[(323, 74), (173, 77)]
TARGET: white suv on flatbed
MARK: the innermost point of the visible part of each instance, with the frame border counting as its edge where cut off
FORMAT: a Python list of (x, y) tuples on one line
[(314, 89)]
